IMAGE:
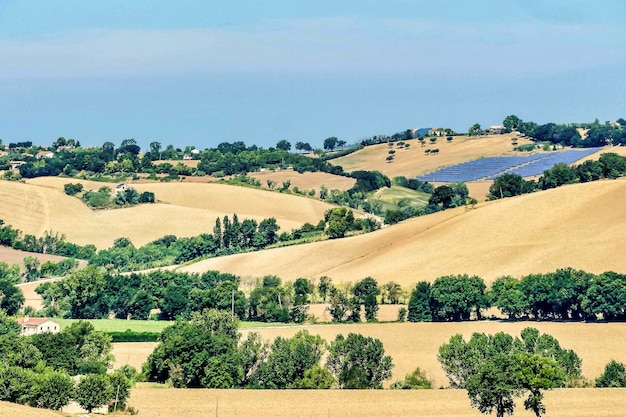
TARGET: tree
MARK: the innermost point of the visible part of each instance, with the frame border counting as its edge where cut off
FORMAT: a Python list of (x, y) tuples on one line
[(358, 362), (92, 392), (455, 297), (339, 220), (497, 369), (283, 145), (475, 130), (11, 297), (614, 376), (155, 150), (288, 361), (330, 143), (391, 292), (52, 390), (324, 287), (199, 353), (414, 380), (442, 195), (419, 303), (507, 296), (511, 123), (509, 185), (365, 293)]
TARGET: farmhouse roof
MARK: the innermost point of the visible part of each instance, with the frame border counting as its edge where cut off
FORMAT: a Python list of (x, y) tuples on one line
[(32, 321)]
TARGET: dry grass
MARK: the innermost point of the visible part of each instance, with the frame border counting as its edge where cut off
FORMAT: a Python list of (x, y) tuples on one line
[(413, 162), (15, 410), (410, 345), (185, 210), (153, 402), (305, 181), (13, 256), (580, 226)]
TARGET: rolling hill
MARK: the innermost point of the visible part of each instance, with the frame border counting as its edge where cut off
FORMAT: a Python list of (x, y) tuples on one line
[(580, 226), (184, 209)]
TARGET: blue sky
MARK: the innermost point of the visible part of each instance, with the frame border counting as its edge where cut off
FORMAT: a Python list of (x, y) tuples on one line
[(203, 72)]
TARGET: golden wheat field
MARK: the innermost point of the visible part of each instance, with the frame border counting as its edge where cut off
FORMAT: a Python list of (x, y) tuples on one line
[(168, 402), (184, 210), (305, 181), (413, 161), (13, 256), (580, 226), (410, 345)]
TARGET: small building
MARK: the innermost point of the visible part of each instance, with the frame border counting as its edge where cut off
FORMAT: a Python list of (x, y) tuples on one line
[(121, 187), (37, 325), (44, 154), (496, 130)]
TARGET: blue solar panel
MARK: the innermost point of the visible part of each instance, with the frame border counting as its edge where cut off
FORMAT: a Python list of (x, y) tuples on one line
[(493, 167)]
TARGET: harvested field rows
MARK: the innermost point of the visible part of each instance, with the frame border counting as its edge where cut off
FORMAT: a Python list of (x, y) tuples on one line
[(580, 226), (154, 402), (305, 181)]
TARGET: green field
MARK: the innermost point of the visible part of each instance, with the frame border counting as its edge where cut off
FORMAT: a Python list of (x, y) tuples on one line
[(151, 326), (395, 197)]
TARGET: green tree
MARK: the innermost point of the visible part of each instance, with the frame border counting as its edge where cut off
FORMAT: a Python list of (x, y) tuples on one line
[(442, 195), (614, 376), (330, 143), (509, 185), (419, 303), (316, 378), (339, 220), (93, 391), (507, 296), (283, 145), (199, 353), (11, 297), (52, 390), (365, 293), (511, 123), (391, 292), (475, 130), (358, 362), (288, 360), (324, 287), (455, 297), (414, 380)]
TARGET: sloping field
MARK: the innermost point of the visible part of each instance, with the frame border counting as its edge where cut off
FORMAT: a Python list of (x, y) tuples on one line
[(167, 402), (15, 410), (185, 210), (580, 226), (12, 256), (306, 180), (414, 162)]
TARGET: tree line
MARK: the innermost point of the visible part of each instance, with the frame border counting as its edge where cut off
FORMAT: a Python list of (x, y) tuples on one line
[(566, 294), (610, 166), (207, 351)]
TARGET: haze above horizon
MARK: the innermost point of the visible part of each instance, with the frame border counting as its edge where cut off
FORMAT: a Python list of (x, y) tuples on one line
[(204, 72)]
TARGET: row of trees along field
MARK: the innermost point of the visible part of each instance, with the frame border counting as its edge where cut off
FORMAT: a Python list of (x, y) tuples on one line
[(230, 235), (610, 165), (38, 370), (206, 351), (565, 294)]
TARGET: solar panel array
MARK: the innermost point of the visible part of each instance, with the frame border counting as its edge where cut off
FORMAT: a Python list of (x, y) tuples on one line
[(493, 167)]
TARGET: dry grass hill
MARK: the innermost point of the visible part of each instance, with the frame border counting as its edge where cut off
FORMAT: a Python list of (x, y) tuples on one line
[(413, 161), (306, 180), (580, 225), (185, 209)]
